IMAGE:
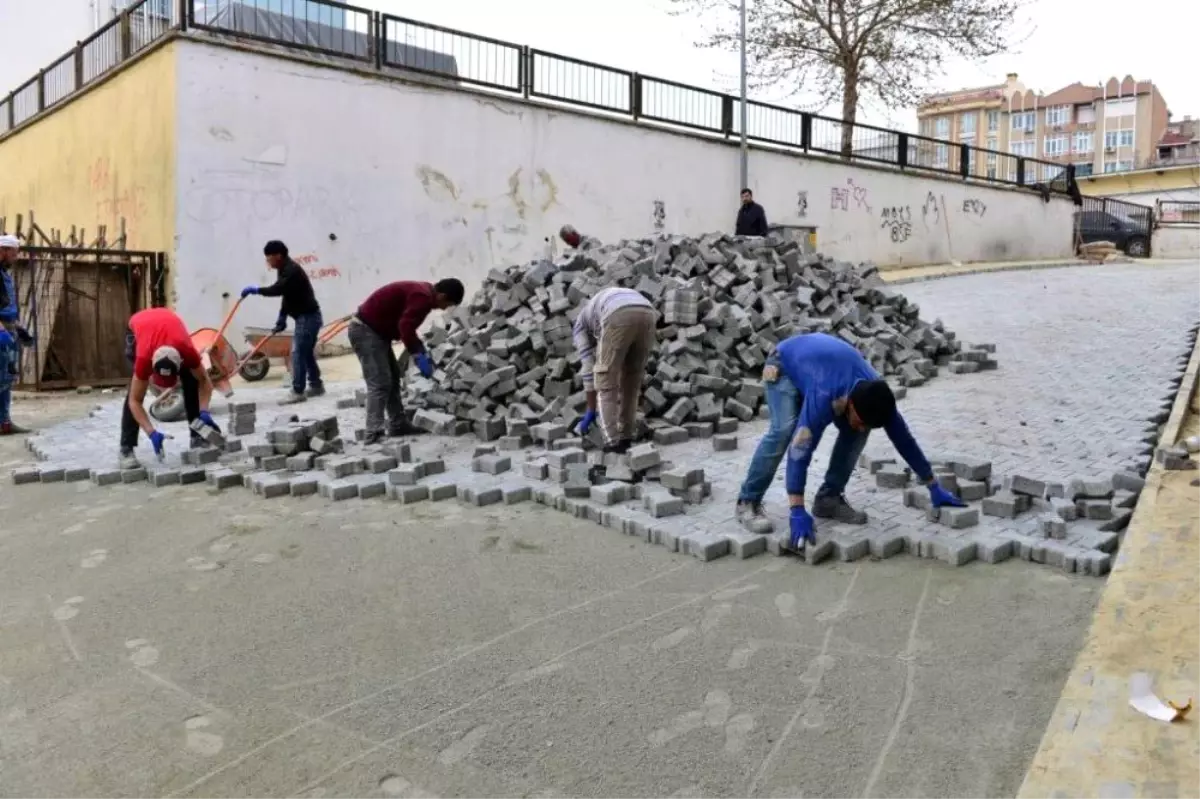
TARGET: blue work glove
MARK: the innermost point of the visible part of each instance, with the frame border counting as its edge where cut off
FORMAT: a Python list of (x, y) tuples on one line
[(157, 439), (246, 292), (424, 364), (585, 424), (206, 417), (941, 497), (802, 527), (5, 338), (280, 324), (23, 336)]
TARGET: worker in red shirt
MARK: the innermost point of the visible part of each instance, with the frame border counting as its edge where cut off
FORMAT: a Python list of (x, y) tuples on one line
[(394, 313), (159, 347)]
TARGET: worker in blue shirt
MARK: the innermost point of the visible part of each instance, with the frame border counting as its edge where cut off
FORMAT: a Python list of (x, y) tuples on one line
[(814, 380)]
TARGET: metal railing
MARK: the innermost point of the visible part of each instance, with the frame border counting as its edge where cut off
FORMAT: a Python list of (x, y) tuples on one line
[(392, 43), (1185, 212)]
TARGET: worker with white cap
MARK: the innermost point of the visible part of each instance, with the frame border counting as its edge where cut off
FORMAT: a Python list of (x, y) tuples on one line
[(10, 333), (159, 347)]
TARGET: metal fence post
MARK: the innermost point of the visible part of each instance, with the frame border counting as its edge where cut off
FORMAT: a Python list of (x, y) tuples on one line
[(377, 40), (183, 8), (12, 114), (41, 90), (525, 76), (902, 150), (1020, 171), (78, 66), (805, 131), (635, 95), (124, 36), (726, 115), (964, 161)]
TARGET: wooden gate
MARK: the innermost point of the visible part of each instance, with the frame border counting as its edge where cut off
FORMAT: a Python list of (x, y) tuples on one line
[(75, 298)]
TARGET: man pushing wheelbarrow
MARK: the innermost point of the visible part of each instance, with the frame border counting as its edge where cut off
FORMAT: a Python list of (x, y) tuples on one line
[(299, 302)]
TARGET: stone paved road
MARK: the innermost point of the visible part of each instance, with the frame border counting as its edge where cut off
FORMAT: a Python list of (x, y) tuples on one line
[(169, 642)]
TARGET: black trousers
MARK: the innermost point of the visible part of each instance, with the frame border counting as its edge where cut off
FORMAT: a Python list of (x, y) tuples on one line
[(187, 383)]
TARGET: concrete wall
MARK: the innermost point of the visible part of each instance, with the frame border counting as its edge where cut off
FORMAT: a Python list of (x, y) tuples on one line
[(106, 155), (1176, 241), (372, 181)]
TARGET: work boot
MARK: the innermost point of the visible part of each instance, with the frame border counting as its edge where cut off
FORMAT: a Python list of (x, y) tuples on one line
[(617, 447), (292, 398), (317, 390), (373, 437), (11, 429), (752, 516), (128, 460), (401, 429), (838, 509)]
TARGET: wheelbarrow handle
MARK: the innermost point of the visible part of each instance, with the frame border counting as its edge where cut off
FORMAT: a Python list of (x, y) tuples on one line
[(254, 351), (228, 318)]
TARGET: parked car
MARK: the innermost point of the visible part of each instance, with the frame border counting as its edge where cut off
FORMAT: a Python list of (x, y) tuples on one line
[(1128, 235)]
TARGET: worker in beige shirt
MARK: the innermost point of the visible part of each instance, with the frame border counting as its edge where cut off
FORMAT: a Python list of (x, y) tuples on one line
[(614, 334)]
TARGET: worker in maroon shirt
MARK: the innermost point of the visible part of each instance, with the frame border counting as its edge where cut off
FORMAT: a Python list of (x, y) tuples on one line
[(394, 313)]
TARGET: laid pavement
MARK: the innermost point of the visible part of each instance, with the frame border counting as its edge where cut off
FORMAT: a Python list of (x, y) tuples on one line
[(172, 642)]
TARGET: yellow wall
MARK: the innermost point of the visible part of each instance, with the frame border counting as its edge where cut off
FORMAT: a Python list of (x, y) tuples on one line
[(107, 154), (1140, 181)]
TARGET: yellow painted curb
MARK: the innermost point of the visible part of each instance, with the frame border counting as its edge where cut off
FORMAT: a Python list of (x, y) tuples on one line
[(1147, 620)]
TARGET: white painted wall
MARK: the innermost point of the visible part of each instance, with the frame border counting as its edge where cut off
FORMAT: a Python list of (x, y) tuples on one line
[(422, 183), (1176, 241)]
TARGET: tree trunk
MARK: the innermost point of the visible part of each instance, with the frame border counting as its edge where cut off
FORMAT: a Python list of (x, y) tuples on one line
[(849, 111)]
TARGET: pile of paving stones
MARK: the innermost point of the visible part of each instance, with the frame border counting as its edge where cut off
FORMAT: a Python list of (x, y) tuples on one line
[(724, 304)]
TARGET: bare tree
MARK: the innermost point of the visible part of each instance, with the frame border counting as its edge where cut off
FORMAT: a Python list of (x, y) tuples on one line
[(890, 50)]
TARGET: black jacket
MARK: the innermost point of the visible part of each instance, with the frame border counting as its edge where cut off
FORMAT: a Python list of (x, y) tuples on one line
[(296, 290), (751, 220)]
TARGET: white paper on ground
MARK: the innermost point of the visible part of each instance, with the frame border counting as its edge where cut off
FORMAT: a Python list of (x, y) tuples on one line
[(1143, 700)]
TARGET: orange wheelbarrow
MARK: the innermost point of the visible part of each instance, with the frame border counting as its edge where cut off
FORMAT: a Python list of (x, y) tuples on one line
[(221, 362), (267, 344)]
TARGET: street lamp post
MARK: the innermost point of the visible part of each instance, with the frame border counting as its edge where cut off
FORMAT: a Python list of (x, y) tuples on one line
[(745, 162)]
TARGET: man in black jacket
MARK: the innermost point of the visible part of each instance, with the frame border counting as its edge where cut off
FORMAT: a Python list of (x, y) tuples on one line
[(298, 302), (751, 218)]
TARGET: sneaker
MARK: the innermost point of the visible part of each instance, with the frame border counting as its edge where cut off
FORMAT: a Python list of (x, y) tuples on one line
[(128, 460), (372, 438), (752, 516), (838, 509), (315, 391), (292, 398), (11, 429)]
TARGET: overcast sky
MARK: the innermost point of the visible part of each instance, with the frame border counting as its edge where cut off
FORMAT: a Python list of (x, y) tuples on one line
[(1070, 41)]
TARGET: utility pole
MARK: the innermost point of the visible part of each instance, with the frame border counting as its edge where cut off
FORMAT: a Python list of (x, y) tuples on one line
[(745, 146)]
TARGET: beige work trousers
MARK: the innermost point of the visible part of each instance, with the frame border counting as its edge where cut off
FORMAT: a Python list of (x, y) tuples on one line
[(626, 340)]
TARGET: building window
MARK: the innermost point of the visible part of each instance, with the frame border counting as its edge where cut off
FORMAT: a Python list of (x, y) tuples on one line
[(1085, 115), (1121, 107), (1083, 168), (991, 171), (1118, 138), (1051, 171), (1022, 148), (992, 143), (1083, 142), (941, 156), (1023, 121), (993, 120), (1055, 146), (1058, 115), (966, 124), (942, 128), (1118, 166)]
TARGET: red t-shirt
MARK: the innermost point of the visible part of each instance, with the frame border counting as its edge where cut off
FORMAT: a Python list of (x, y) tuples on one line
[(159, 327)]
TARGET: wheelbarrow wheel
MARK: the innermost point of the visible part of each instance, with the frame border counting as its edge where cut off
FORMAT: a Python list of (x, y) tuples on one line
[(169, 410), (256, 368)]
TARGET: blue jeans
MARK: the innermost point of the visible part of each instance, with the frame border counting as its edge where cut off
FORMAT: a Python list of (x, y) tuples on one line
[(8, 362), (304, 352), (784, 403)]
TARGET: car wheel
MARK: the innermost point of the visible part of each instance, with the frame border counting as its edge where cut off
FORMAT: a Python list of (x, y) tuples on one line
[(1136, 248)]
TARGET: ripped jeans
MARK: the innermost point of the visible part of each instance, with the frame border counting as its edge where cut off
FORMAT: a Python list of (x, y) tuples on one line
[(784, 403)]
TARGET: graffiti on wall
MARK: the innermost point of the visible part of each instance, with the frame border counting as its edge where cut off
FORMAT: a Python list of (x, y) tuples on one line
[(974, 208), (115, 202), (897, 220), (931, 211), (851, 198), (315, 269), (802, 204), (660, 216), (260, 197)]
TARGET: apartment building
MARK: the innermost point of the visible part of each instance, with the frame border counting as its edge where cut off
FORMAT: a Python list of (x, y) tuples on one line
[(1110, 127), (1180, 143)]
